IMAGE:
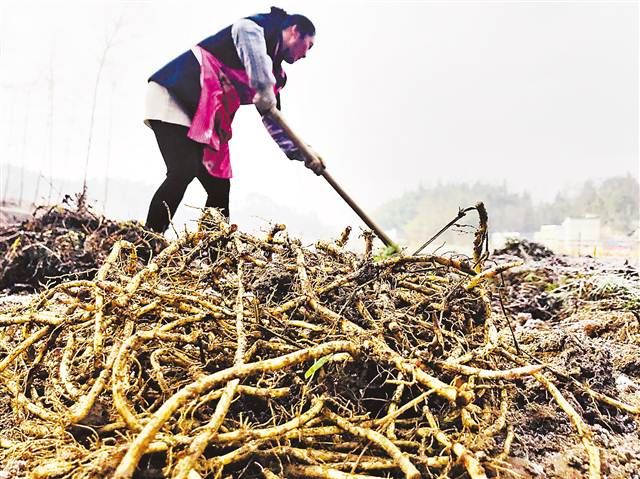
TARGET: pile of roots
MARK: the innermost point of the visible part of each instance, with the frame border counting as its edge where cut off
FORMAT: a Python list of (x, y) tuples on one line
[(229, 355), (62, 243)]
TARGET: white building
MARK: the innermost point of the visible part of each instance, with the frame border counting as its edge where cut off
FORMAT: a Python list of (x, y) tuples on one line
[(575, 236)]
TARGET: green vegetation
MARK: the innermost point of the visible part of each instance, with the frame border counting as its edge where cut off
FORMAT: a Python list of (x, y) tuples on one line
[(317, 365), (418, 214), (386, 252)]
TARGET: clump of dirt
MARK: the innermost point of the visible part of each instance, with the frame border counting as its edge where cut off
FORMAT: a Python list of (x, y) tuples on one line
[(525, 249)]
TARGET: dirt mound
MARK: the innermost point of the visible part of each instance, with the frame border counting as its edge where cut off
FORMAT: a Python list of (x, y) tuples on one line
[(581, 318), (64, 243), (525, 249)]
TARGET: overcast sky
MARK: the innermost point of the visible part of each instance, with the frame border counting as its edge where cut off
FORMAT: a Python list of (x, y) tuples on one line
[(394, 94)]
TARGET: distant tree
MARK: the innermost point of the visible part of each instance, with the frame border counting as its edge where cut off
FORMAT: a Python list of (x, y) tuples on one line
[(50, 125), (109, 42), (556, 211), (25, 143), (418, 214), (620, 200), (588, 200), (399, 211), (108, 152)]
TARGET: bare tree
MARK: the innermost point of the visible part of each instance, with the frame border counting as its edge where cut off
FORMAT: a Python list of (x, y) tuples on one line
[(50, 83), (109, 41), (50, 124), (108, 155), (10, 143), (25, 144)]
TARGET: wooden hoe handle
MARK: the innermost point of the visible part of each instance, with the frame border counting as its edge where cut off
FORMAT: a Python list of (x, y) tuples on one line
[(302, 146)]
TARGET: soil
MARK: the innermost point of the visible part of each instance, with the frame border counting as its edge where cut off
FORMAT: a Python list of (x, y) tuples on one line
[(580, 317)]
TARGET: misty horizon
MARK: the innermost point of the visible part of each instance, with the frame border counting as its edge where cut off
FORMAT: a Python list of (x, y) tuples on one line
[(252, 211), (540, 97)]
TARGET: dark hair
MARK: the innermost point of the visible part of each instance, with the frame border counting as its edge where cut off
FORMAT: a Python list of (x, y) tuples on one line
[(305, 27)]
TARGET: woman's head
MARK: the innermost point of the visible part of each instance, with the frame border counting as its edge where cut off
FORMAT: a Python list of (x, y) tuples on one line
[(298, 36)]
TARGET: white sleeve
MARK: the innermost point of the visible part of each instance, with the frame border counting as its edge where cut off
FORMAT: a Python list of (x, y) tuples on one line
[(248, 38)]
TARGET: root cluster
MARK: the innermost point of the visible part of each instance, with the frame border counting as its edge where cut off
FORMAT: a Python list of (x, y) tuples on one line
[(228, 355)]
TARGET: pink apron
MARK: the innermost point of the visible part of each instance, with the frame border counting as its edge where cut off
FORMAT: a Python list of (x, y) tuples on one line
[(224, 89)]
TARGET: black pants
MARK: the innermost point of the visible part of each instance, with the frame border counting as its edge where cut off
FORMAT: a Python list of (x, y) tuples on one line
[(183, 158)]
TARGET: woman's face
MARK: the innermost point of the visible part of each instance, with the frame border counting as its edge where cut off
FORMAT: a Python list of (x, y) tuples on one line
[(297, 45)]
